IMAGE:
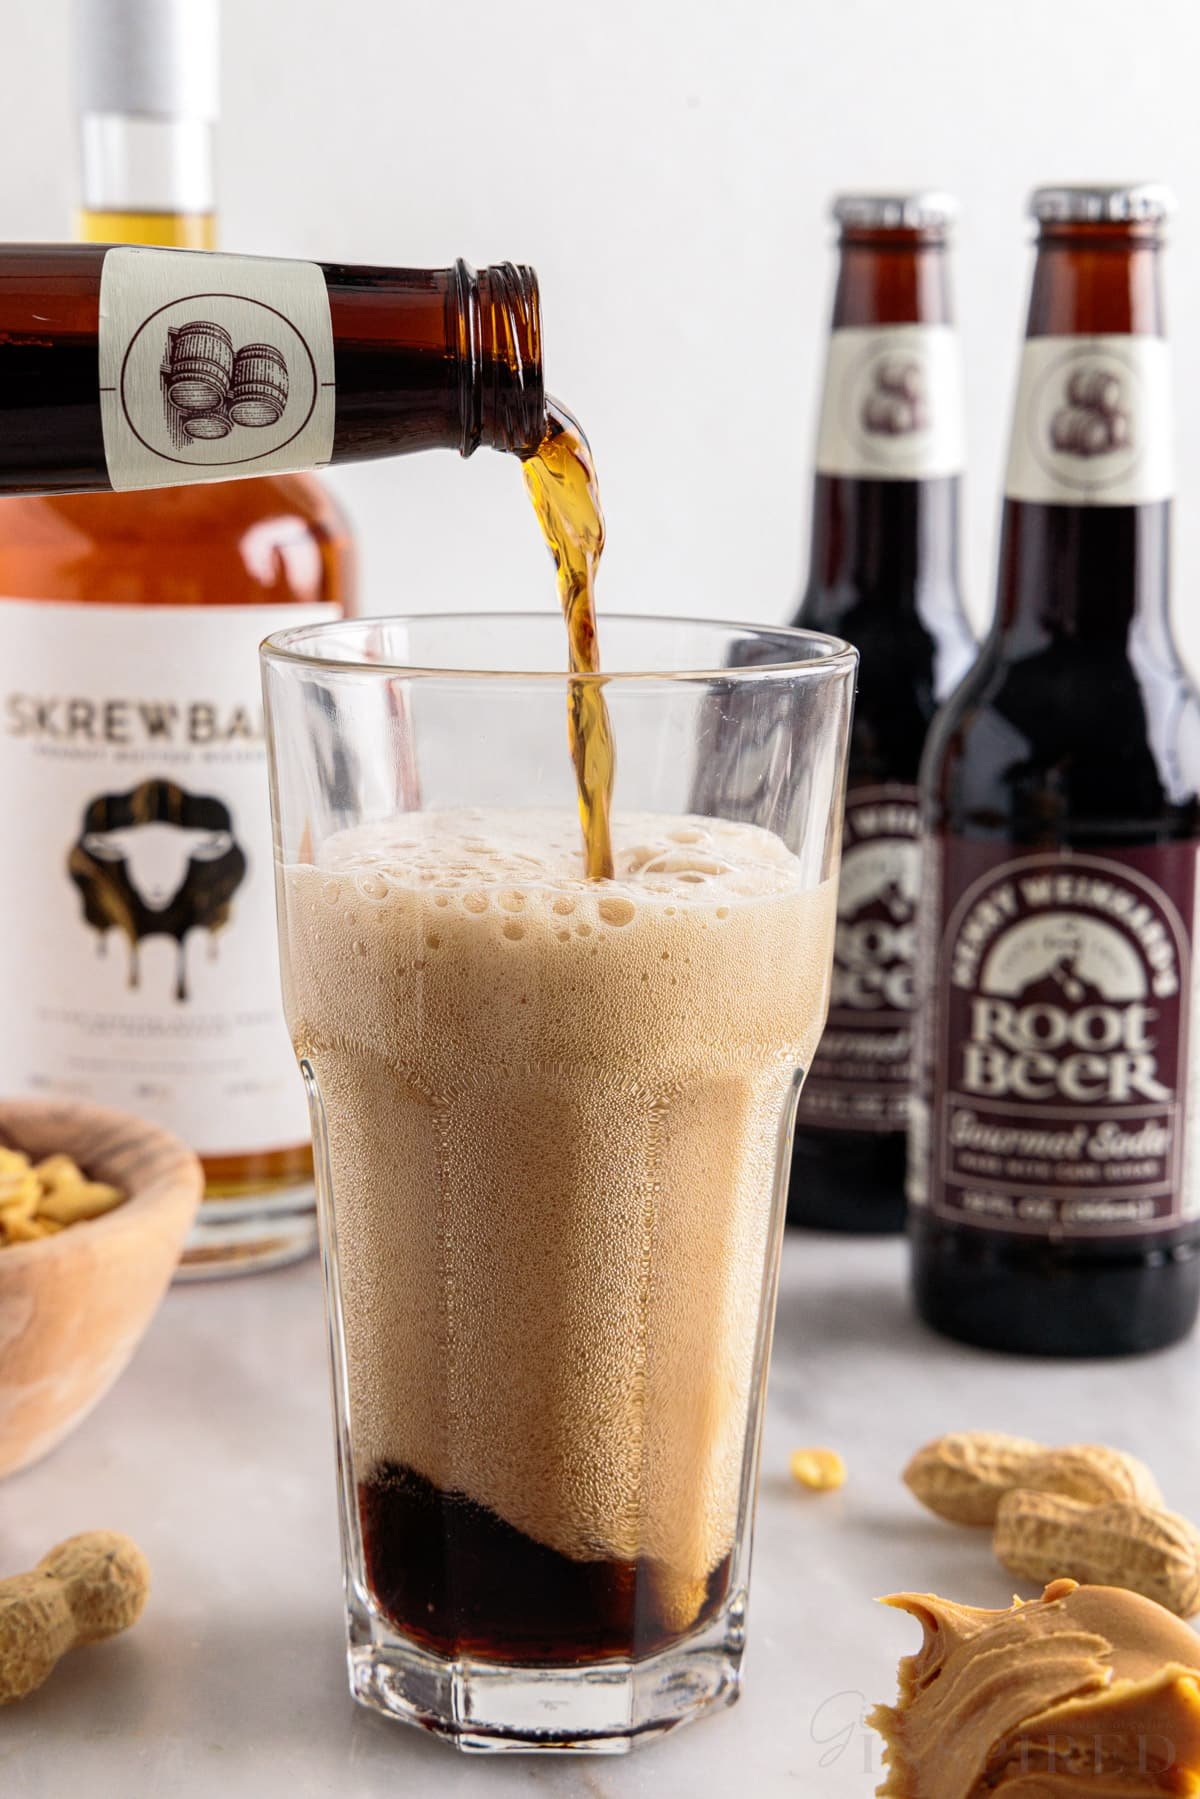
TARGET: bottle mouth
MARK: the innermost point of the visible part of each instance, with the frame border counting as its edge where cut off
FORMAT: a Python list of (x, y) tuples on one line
[(502, 390)]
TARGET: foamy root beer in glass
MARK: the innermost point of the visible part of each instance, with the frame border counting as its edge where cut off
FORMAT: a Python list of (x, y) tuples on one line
[(554, 1110)]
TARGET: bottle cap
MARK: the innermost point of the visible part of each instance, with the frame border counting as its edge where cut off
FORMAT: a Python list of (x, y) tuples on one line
[(1123, 202), (924, 209), (148, 58)]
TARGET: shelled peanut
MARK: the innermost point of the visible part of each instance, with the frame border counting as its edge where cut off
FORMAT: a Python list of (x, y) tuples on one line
[(39, 1198), (817, 1470)]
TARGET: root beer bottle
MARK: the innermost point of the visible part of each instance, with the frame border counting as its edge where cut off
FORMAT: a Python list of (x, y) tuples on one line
[(131, 366), (1052, 1186), (884, 573)]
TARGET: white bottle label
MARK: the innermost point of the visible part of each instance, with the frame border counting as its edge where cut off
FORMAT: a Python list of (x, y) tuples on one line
[(138, 959), (212, 366), (893, 404), (1093, 422)]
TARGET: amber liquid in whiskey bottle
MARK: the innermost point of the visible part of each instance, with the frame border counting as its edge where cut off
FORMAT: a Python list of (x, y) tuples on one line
[(139, 941)]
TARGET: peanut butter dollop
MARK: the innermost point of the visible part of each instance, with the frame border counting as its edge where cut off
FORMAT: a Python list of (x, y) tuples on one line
[(1086, 1691)]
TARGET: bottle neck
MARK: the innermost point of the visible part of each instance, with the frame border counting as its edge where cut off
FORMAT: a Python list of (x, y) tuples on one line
[(890, 542), (436, 359), (1086, 533), (147, 181), (1088, 575), (886, 497), (892, 278)]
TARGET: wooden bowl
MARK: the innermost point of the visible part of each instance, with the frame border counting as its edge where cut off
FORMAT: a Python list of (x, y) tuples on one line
[(73, 1307)]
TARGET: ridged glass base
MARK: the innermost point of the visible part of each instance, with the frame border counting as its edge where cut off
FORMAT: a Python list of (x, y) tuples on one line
[(599, 1708), (250, 1236)]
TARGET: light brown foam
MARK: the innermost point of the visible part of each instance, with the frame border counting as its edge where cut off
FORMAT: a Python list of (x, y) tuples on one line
[(553, 1110)]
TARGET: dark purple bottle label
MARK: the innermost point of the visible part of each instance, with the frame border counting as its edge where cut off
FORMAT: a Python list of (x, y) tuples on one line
[(1054, 1062)]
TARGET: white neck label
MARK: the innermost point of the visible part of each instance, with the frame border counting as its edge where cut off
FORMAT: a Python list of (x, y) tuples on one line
[(893, 403), (212, 366), (1093, 422)]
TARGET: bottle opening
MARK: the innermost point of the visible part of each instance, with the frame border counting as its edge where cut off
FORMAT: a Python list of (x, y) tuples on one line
[(503, 392)]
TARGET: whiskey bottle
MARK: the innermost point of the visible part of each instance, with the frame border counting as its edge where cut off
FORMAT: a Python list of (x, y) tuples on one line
[(137, 931)]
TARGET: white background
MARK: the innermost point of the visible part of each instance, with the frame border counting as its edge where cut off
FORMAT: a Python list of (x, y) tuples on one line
[(665, 165)]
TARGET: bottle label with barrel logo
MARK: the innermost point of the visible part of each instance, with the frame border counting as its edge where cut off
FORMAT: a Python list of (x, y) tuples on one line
[(893, 403), (1093, 422), (212, 366), (860, 1077), (1056, 1064)]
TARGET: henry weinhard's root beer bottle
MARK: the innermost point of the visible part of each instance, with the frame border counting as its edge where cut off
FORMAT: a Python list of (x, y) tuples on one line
[(884, 573), (1052, 1175), (134, 367)]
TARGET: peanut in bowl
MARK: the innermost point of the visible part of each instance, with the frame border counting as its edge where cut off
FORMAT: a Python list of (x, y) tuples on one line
[(75, 1303)]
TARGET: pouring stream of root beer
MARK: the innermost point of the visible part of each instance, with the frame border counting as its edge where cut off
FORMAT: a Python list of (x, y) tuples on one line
[(561, 480)]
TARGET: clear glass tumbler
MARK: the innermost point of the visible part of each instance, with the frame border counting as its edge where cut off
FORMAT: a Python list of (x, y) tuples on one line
[(552, 1120)]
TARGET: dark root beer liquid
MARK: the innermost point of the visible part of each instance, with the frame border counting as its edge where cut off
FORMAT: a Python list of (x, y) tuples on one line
[(1052, 1180), (884, 573)]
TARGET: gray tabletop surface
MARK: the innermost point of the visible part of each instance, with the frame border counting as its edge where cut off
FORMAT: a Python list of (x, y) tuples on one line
[(214, 1452)]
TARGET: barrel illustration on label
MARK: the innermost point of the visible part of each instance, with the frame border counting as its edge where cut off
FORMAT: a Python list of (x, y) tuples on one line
[(1093, 417), (861, 1073), (897, 403), (209, 388), (1088, 426), (157, 862), (1062, 1045)]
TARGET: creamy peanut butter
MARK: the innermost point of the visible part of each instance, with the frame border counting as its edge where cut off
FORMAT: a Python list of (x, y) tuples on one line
[(1086, 1691)]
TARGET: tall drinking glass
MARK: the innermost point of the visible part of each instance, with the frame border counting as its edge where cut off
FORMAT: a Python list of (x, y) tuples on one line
[(552, 1120)]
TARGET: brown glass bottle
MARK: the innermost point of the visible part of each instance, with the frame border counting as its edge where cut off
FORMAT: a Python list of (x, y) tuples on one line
[(884, 572), (1050, 1172), (415, 359)]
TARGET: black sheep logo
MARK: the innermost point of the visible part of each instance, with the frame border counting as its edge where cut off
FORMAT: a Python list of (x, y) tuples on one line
[(897, 404), (209, 388), (157, 862), (1093, 418)]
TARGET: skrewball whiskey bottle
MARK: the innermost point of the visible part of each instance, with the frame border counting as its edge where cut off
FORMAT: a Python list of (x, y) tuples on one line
[(137, 922)]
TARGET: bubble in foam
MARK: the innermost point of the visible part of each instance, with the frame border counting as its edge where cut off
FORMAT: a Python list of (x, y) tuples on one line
[(617, 911)]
